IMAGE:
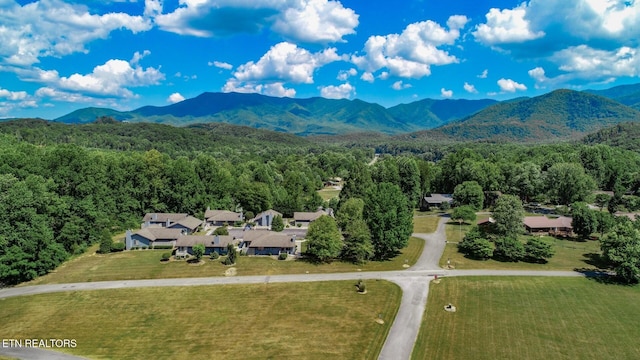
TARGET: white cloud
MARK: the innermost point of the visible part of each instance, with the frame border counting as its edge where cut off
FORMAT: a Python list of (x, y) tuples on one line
[(411, 53), (508, 85), (506, 26), (384, 75), (343, 75), (484, 74), (12, 95), (313, 21), (54, 28), (539, 76), (342, 91), (138, 56), (286, 62), (221, 65), (152, 8), (399, 85), (368, 77), (65, 96), (271, 89), (175, 98), (470, 88), (446, 93)]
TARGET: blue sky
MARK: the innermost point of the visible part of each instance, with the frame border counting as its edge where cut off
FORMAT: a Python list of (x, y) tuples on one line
[(57, 56)]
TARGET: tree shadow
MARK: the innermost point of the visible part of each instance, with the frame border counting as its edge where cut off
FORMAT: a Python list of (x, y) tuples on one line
[(596, 260), (601, 276)]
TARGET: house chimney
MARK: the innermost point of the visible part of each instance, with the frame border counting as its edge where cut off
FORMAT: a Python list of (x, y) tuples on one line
[(128, 242), (154, 216), (293, 238), (216, 240)]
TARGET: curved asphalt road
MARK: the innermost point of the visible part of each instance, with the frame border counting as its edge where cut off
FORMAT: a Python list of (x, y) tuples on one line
[(414, 283)]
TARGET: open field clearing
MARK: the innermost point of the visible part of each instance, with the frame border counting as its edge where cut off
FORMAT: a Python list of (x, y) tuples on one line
[(269, 321), (146, 264), (530, 318), (569, 255), (329, 193), (425, 224)]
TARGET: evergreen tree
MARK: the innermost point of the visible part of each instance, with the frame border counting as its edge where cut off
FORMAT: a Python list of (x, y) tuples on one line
[(277, 224)]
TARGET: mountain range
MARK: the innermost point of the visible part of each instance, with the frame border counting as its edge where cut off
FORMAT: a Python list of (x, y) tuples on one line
[(559, 114)]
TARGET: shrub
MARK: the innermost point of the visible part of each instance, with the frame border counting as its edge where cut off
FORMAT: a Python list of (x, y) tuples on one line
[(117, 246), (163, 247), (221, 231), (537, 250), (361, 286), (476, 248), (166, 256), (283, 256), (214, 255), (509, 249), (105, 245)]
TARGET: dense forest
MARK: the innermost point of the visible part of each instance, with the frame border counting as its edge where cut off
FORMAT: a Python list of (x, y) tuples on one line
[(65, 187)]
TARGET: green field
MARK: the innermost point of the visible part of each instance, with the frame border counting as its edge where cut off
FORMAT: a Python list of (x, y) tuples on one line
[(328, 193), (425, 224), (267, 321), (146, 264), (530, 318), (569, 255)]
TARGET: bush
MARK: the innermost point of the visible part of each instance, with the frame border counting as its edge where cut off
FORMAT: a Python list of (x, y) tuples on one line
[(476, 248), (362, 288), (537, 250), (509, 249), (166, 256), (214, 255), (228, 261), (105, 245), (283, 256), (163, 247), (221, 231), (117, 246)]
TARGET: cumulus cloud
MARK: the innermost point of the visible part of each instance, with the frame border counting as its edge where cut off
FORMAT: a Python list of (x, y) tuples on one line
[(314, 21), (272, 89), (342, 91), (411, 53), (367, 76), (55, 28), (399, 85), (586, 40), (285, 62), (484, 74), (343, 75), (446, 93), (470, 88), (12, 95), (508, 85), (221, 65), (175, 98)]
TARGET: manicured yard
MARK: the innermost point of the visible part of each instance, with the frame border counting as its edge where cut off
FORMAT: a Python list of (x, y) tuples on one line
[(268, 321), (328, 193), (146, 264), (530, 318), (425, 223), (569, 255)]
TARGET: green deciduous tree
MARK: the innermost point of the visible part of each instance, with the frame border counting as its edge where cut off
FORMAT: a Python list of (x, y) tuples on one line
[(508, 214), (349, 211), (475, 246), (465, 213), (509, 249), (567, 183), (390, 219), (105, 242), (585, 220), (222, 230), (469, 193), (198, 251), (357, 242), (538, 250), (621, 248), (277, 224), (324, 239)]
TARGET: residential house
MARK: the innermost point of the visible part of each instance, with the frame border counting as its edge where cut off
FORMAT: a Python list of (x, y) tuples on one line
[(161, 219), (264, 242), (436, 200), (305, 218), (189, 224), (152, 237), (552, 226), (221, 217), (217, 243), (265, 218)]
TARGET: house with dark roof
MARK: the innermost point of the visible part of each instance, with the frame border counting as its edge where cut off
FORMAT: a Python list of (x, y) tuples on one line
[(189, 224), (302, 218), (553, 226), (217, 243), (222, 217), (265, 242), (152, 237), (436, 200), (265, 218), (161, 219)]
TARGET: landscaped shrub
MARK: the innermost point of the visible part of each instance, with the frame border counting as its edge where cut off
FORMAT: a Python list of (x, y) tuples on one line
[(283, 256), (214, 255), (166, 256), (163, 247), (117, 246), (361, 287), (221, 231)]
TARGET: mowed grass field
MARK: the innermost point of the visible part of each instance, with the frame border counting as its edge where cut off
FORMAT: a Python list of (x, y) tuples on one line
[(329, 193), (530, 318), (425, 224), (268, 321), (146, 264)]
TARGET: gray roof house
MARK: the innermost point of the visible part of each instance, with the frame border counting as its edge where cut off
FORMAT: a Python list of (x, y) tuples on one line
[(306, 218), (189, 223), (217, 243), (151, 237), (221, 217), (437, 199), (264, 242), (161, 219), (265, 218)]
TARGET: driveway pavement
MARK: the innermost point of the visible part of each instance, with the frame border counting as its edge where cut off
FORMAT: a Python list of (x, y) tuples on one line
[(414, 283)]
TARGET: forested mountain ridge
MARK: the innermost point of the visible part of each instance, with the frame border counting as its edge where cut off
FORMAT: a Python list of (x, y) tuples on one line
[(311, 116), (625, 94), (561, 114), (624, 135)]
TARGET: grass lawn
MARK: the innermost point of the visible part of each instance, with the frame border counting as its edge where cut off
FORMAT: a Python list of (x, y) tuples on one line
[(530, 318), (569, 255), (425, 224), (328, 193), (146, 264), (267, 321)]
